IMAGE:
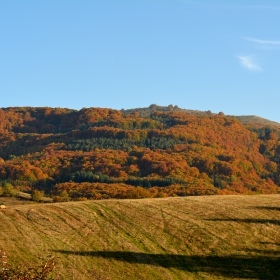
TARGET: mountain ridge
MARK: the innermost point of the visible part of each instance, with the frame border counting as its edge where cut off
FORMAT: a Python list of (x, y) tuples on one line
[(97, 153), (146, 111), (242, 118)]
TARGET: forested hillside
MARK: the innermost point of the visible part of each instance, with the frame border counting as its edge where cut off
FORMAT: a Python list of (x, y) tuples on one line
[(99, 153)]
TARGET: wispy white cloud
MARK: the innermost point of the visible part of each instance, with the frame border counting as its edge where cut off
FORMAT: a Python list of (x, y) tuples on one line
[(264, 42), (249, 62), (265, 45)]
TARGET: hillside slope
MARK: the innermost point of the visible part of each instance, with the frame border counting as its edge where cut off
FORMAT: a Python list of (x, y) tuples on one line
[(100, 153), (245, 119), (214, 237)]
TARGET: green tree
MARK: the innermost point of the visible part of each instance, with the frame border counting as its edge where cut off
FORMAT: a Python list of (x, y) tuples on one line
[(64, 196), (37, 195), (8, 190)]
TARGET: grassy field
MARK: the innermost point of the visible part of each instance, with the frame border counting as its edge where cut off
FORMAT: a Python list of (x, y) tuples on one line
[(211, 237)]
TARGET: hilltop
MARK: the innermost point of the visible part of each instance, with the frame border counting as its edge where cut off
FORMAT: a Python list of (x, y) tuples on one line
[(250, 119), (98, 153), (213, 237)]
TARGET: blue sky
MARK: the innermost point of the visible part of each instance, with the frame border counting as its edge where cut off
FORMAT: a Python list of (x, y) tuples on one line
[(203, 55)]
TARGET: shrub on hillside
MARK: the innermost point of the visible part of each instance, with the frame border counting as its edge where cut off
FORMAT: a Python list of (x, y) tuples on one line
[(8, 190), (37, 196), (43, 270)]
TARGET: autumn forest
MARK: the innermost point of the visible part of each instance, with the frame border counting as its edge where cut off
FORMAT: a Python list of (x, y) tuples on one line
[(98, 153)]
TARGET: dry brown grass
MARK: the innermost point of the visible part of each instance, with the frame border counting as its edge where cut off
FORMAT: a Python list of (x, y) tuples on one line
[(214, 237), (12, 201)]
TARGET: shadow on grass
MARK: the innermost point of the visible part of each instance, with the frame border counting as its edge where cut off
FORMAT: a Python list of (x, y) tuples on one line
[(255, 221), (265, 252), (265, 208), (246, 267), (270, 243)]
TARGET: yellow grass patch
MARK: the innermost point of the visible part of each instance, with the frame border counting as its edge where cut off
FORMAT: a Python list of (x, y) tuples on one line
[(214, 237)]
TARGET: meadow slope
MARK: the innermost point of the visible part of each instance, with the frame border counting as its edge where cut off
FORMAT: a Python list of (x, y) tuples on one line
[(210, 237)]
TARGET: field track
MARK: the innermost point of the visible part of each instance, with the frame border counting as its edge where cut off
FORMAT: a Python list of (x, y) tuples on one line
[(210, 237)]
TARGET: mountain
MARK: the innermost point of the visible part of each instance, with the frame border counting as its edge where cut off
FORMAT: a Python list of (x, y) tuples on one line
[(256, 120), (145, 112), (98, 153)]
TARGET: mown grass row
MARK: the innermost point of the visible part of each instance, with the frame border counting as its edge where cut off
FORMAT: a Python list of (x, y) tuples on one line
[(217, 237)]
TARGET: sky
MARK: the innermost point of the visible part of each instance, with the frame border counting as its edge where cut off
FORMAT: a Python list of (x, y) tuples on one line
[(222, 56)]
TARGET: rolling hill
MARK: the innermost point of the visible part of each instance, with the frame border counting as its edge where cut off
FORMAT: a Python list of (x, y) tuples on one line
[(210, 237), (98, 153), (245, 119)]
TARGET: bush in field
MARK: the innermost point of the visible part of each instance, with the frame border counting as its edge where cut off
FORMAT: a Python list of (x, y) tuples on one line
[(8, 190), (37, 195), (43, 270)]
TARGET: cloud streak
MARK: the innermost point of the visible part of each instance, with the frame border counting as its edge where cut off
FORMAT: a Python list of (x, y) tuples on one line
[(249, 62), (265, 44)]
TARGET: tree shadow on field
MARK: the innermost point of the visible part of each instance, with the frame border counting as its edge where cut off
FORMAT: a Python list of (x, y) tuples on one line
[(265, 208), (235, 266), (270, 243), (254, 221), (265, 252)]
